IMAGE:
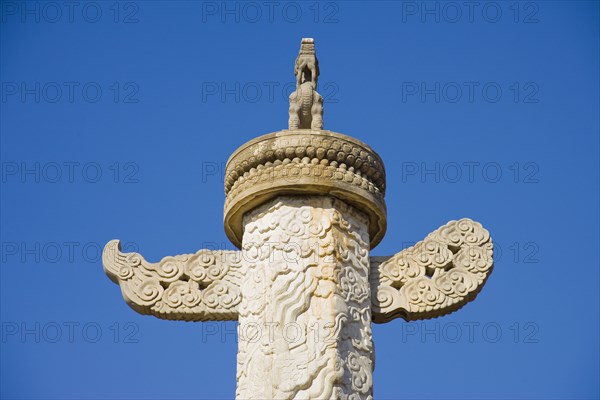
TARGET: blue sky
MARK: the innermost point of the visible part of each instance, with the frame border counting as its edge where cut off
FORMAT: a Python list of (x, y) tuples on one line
[(117, 119)]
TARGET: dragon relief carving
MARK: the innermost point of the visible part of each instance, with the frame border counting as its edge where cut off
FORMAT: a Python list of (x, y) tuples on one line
[(307, 279), (192, 287), (435, 276), (306, 105)]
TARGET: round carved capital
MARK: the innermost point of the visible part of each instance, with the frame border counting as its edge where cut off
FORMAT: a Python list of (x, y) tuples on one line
[(304, 162)]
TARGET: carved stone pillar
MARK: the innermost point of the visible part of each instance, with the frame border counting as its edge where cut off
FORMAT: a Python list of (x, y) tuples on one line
[(305, 206), (305, 314)]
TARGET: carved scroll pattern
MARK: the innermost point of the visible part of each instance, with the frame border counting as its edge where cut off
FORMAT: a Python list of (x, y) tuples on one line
[(305, 317), (434, 277), (191, 287)]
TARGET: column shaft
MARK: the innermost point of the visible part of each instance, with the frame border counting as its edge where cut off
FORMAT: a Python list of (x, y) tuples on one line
[(305, 317)]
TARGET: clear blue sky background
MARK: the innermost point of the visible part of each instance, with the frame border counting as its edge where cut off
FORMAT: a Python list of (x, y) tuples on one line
[(162, 93)]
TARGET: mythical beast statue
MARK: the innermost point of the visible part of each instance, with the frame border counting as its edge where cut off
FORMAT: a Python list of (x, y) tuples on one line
[(306, 105)]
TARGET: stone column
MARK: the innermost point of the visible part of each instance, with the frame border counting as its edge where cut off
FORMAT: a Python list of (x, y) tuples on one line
[(305, 206), (309, 204)]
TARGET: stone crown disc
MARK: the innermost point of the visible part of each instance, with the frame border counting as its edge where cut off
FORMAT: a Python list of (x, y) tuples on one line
[(304, 162)]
